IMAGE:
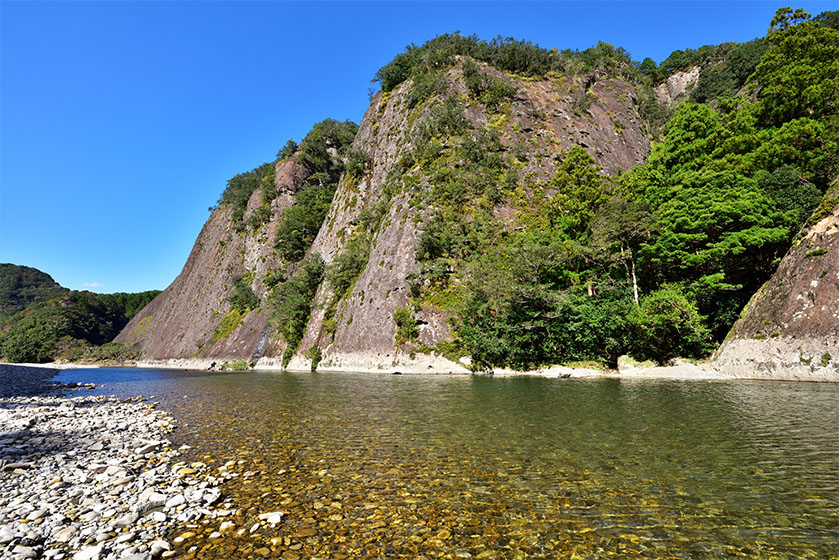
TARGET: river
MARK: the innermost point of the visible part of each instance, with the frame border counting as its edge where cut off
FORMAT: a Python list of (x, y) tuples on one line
[(387, 466)]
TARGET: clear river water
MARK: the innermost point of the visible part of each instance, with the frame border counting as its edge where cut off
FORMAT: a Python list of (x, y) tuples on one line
[(386, 466)]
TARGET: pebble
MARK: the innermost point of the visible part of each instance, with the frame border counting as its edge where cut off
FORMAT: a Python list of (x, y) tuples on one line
[(88, 477)]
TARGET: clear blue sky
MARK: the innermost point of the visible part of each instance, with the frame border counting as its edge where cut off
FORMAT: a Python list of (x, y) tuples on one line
[(120, 122)]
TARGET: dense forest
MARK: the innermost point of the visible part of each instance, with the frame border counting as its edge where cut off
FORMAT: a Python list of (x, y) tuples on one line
[(21, 286), (59, 323)]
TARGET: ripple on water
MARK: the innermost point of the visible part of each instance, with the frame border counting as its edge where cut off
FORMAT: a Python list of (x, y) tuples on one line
[(374, 466)]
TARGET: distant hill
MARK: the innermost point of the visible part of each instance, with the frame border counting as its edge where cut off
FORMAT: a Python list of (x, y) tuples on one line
[(21, 286), (41, 321)]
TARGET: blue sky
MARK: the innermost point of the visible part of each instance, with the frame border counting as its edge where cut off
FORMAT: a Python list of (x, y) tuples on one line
[(120, 122)]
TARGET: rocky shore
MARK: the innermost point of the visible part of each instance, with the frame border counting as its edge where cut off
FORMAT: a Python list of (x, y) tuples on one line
[(93, 477)]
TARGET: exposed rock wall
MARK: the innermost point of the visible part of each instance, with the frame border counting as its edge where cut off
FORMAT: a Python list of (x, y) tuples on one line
[(789, 329), (548, 116), (182, 322), (677, 84)]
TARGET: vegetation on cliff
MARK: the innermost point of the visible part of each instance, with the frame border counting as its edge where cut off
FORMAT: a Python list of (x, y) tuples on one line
[(533, 251), (713, 211)]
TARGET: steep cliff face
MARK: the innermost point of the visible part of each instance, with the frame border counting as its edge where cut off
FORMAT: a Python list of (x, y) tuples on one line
[(546, 115), (789, 329), (540, 122), (193, 317), (677, 84)]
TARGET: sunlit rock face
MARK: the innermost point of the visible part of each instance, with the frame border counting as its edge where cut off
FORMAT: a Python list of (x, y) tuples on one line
[(191, 320), (789, 329)]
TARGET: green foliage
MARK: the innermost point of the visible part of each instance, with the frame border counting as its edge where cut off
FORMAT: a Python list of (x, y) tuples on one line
[(79, 318), (799, 73), (685, 60), (580, 189), (291, 303), (239, 189), (795, 197), (111, 352), (524, 308), (816, 253), (242, 298), (358, 164), (300, 223), (346, 267), (288, 150), (729, 187), (653, 113), (695, 231), (21, 286), (666, 324), (322, 154), (406, 326), (325, 136), (314, 355), (506, 54), (827, 204), (259, 216), (228, 324), (492, 92), (236, 365), (425, 86), (69, 349)]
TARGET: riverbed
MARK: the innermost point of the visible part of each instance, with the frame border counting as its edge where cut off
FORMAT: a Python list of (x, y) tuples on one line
[(387, 466)]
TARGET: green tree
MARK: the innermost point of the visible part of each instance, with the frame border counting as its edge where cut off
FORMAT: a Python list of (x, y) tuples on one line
[(580, 190), (291, 303), (666, 325), (798, 76)]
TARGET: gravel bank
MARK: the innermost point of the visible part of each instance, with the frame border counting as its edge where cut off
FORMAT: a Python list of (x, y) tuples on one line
[(92, 478)]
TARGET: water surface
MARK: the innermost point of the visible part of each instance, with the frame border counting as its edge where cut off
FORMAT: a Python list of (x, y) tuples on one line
[(382, 466)]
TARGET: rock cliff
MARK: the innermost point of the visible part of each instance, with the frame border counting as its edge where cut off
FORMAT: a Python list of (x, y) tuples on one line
[(789, 329), (193, 318)]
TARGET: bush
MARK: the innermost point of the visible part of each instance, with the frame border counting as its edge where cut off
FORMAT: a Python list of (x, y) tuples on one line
[(240, 187), (313, 354), (348, 265), (666, 325), (243, 298), (237, 365), (300, 223), (406, 326), (291, 302)]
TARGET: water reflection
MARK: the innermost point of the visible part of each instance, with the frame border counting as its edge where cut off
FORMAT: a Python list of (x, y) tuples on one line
[(513, 467)]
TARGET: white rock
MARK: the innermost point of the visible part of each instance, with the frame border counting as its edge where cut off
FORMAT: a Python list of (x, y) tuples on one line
[(89, 553), (274, 517), (65, 534), (175, 501)]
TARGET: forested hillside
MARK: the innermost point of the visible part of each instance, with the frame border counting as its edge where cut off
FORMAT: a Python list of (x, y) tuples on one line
[(62, 324), (519, 207), (21, 286)]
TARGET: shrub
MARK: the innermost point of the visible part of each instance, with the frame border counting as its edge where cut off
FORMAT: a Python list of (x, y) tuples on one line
[(242, 298), (291, 302), (313, 354), (666, 325), (239, 189), (406, 326), (236, 365)]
